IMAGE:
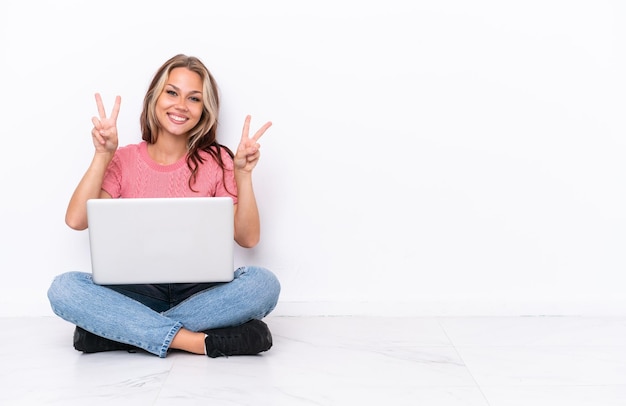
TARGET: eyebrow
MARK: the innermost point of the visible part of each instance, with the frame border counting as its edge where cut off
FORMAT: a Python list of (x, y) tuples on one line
[(178, 89)]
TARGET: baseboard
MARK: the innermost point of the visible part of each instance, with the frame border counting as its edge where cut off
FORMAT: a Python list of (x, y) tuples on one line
[(426, 308), (451, 308)]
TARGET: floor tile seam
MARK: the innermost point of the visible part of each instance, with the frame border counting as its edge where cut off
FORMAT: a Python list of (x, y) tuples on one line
[(350, 346), (382, 385), (467, 368), (163, 385), (538, 346), (556, 385)]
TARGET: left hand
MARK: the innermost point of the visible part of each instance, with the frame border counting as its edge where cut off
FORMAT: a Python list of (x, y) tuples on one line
[(247, 154)]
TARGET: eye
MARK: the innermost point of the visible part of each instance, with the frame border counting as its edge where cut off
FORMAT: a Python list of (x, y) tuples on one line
[(170, 92), (194, 99)]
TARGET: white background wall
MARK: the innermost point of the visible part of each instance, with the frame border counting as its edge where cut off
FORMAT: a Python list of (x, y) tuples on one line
[(427, 157)]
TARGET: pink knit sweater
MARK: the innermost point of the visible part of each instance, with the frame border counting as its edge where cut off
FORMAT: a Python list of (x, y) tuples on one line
[(132, 173)]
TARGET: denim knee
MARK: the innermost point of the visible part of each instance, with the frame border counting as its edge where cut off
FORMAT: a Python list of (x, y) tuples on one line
[(272, 285), (267, 288), (62, 290)]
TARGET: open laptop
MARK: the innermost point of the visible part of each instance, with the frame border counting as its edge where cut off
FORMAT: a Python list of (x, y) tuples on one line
[(161, 240)]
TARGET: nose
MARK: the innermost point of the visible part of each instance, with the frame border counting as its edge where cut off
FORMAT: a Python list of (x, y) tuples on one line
[(181, 104)]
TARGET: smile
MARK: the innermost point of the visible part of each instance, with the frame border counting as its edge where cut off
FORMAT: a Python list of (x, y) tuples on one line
[(178, 119)]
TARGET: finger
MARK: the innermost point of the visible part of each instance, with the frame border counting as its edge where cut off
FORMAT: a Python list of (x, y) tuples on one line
[(100, 105), (252, 149), (97, 135), (246, 128), (261, 131), (96, 123), (251, 162), (98, 131), (116, 108), (254, 156)]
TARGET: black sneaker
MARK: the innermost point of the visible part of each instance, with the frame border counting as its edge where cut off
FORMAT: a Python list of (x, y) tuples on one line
[(250, 338), (89, 343)]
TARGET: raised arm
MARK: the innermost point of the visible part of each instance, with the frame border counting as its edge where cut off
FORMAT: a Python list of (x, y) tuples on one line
[(247, 223), (104, 135)]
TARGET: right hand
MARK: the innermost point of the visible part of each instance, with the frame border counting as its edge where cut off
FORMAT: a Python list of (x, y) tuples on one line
[(104, 132)]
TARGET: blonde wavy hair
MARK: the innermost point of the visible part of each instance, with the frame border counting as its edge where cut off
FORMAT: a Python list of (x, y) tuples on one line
[(203, 137)]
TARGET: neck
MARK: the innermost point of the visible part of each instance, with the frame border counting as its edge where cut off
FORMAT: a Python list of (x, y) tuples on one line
[(167, 150)]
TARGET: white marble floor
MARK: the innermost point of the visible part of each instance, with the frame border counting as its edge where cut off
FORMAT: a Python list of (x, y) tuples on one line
[(335, 361)]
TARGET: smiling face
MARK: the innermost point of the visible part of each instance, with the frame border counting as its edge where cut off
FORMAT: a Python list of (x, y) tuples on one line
[(179, 106)]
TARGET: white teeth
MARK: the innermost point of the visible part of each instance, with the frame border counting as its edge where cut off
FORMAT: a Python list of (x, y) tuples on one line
[(178, 118)]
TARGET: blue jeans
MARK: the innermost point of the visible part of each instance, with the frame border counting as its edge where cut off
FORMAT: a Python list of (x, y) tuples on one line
[(150, 317)]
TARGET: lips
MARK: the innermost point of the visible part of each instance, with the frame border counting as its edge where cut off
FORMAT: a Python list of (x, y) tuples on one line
[(177, 119)]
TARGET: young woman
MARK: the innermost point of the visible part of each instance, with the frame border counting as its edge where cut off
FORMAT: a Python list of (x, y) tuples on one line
[(178, 157)]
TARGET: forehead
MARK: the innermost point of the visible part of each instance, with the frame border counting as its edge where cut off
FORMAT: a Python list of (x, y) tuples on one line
[(183, 78)]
